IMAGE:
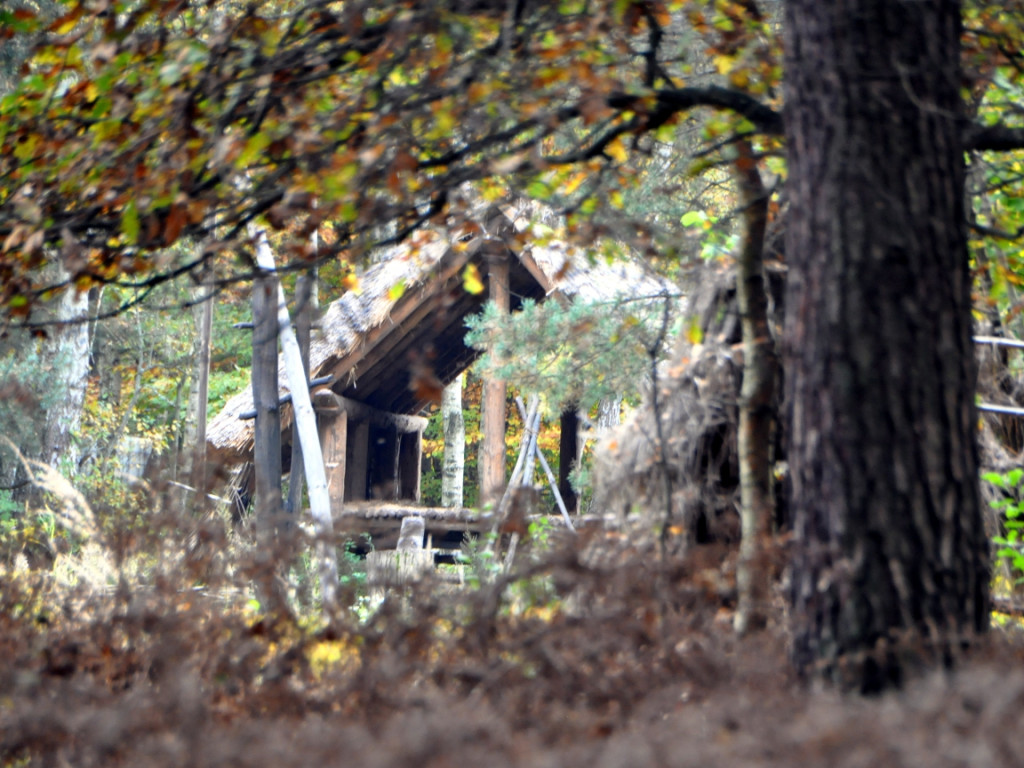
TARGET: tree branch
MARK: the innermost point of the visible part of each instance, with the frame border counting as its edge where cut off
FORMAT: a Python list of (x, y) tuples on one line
[(993, 138)]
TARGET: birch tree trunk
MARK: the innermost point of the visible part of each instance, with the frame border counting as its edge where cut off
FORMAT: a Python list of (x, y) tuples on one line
[(453, 472)]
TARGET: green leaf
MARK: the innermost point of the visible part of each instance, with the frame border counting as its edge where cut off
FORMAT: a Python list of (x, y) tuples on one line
[(130, 222), (397, 290), (692, 218), (989, 477)]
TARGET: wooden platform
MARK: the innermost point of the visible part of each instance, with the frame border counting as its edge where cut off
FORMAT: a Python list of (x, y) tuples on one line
[(382, 520)]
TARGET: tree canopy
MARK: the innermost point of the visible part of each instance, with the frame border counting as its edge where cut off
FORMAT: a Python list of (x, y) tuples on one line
[(134, 125)]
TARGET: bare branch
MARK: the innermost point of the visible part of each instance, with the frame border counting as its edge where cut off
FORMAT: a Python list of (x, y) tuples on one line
[(993, 138)]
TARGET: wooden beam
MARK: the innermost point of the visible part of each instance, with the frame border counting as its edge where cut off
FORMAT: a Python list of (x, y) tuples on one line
[(326, 401), (334, 440), (286, 397), (492, 448), (568, 457)]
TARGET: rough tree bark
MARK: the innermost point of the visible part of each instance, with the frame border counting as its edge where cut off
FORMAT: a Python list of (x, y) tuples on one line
[(67, 350), (453, 472), (491, 461), (890, 556), (204, 323), (267, 429)]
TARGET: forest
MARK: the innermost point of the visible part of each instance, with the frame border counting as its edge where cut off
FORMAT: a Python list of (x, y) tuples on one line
[(591, 382)]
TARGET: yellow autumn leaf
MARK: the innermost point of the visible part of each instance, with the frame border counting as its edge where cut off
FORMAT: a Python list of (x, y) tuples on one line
[(574, 182), (617, 151), (471, 280), (725, 64), (694, 333)]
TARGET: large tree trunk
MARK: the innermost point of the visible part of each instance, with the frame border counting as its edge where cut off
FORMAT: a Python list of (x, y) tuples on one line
[(890, 555), (67, 351)]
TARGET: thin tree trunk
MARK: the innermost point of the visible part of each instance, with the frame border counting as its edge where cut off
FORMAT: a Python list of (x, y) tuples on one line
[(202, 371), (890, 558), (305, 418), (265, 397), (756, 395), (453, 471), (492, 448)]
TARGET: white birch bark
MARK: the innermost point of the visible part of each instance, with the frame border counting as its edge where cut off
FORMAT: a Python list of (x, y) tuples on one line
[(453, 472)]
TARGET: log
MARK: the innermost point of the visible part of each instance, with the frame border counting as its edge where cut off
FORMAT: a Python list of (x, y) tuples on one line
[(328, 401), (287, 397)]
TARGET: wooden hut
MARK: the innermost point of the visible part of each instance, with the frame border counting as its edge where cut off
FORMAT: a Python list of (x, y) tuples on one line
[(390, 345)]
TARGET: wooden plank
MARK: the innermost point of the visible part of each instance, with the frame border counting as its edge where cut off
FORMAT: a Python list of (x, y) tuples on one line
[(334, 439), (492, 447), (357, 451)]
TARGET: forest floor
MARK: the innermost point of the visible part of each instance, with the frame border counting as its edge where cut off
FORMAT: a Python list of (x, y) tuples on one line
[(634, 663)]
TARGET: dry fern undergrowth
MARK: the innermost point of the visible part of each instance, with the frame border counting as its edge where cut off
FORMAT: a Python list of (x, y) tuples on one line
[(605, 671)]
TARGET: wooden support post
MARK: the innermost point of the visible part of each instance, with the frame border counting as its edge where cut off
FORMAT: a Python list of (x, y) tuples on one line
[(492, 448), (267, 437), (410, 465), (334, 441), (358, 452), (568, 456)]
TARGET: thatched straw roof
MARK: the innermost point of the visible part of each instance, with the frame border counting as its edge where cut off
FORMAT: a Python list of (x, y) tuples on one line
[(371, 339)]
